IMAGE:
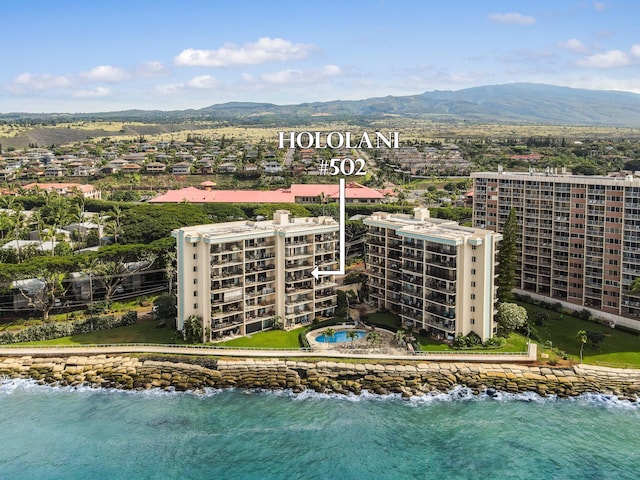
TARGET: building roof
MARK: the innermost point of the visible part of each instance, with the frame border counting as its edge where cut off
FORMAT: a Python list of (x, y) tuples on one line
[(84, 188), (283, 195)]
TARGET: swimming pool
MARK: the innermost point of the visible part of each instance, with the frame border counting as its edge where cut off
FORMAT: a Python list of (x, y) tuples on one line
[(339, 337)]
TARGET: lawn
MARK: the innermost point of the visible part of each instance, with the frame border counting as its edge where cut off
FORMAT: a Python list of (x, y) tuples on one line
[(515, 342), (144, 331), (618, 348), (268, 339)]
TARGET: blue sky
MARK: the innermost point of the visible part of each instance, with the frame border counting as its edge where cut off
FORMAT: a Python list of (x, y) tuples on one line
[(84, 56)]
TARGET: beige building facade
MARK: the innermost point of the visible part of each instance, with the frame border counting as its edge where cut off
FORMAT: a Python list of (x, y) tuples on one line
[(243, 277), (437, 275)]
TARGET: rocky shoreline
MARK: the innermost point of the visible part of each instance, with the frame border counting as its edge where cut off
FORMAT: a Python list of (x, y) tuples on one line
[(408, 379)]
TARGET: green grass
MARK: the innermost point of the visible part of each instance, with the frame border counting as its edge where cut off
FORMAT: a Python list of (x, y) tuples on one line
[(515, 342), (268, 339), (141, 332), (619, 348)]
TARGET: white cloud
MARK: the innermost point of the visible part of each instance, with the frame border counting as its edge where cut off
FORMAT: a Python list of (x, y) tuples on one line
[(105, 73), (290, 76), (574, 45), (169, 89), (610, 59), (265, 50), (331, 70), (285, 76), (203, 81), (635, 51), (151, 69), (28, 82), (512, 18), (92, 92)]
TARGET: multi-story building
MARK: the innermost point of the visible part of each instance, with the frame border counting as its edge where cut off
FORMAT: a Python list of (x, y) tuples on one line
[(241, 277), (437, 275), (579, 236)]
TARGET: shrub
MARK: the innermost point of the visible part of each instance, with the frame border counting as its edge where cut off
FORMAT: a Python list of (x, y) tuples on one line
[(495, 342), (51, 330), (594, 338), (584, 314)]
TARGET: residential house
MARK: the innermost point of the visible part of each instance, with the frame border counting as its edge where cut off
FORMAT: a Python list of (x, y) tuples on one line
[(156, 167), (227, 167), (272, 168), (181, 168)]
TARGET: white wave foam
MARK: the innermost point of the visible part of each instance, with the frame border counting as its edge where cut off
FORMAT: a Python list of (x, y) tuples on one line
[(459, 393)]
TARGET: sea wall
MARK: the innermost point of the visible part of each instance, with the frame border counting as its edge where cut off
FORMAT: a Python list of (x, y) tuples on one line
[(408, 379)]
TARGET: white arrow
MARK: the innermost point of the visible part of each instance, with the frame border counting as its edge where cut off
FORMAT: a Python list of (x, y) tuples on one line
[(316, 272)]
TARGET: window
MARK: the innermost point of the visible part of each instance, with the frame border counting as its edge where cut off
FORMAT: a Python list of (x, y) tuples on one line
[(195, 256), (195, 281), (473, 284), (473, 296), (473, 259), (195, 269), (472, 321), (473, 271), (473, 309), (195, 293), (195, 305)]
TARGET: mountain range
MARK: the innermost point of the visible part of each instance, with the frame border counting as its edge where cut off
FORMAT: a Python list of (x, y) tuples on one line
[(522, 103)]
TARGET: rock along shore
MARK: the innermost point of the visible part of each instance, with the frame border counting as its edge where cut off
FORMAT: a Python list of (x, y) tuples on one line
[(408, 378)]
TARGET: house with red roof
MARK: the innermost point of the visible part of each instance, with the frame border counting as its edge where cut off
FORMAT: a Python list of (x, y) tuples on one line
[(297, 193)]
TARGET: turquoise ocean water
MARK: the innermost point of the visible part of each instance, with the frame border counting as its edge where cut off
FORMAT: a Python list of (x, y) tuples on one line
[(63, 433)]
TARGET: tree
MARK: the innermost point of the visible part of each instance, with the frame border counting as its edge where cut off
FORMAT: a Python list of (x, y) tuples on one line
[(508, 258), (399, 336), (276, 322), (115, 222), (328, 333), (511, 316), (117, 262), (373, 338), (43, 291), (192, 331), (582, 338), (170, 268), (352, 335), (164, 308)]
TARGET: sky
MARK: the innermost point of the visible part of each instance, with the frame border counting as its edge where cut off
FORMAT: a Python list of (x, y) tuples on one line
[(85, 56)]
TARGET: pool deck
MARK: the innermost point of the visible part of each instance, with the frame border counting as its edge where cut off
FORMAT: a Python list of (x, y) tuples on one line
[(386, 340)]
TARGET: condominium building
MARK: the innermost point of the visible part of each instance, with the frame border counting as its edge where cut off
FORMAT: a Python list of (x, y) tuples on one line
[(579, 236), (437, 275), (241, 277)]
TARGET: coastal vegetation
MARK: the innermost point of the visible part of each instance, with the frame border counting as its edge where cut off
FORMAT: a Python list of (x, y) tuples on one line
[(556, 338)]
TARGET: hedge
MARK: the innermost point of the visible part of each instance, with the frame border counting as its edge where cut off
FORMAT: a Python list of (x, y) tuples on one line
[(49, 331)]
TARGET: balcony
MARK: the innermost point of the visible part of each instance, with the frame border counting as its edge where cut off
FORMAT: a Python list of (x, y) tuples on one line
[(225, 285), (225, 325)]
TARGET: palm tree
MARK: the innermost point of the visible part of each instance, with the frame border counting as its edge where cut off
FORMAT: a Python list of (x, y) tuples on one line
[(328, 334), (373, 338), (352, 335), (582, 338), (399, 336), (323, 201), (18, 221), (115, 222)]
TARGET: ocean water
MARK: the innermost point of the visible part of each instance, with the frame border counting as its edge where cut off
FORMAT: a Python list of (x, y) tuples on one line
[(65, 433)]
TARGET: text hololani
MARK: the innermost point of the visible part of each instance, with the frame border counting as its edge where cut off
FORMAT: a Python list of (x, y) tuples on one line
[(338, 140)]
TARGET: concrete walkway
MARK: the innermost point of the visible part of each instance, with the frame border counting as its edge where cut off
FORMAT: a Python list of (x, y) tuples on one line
[(530, 356)]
